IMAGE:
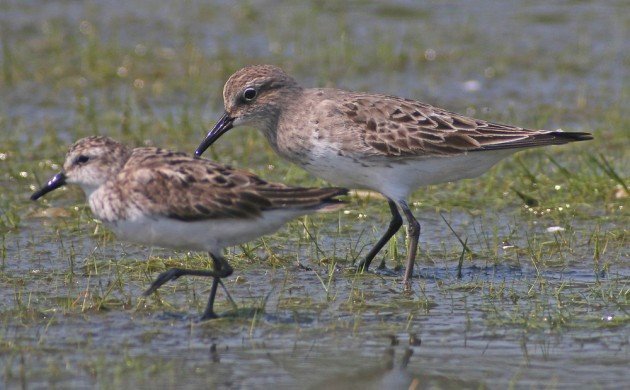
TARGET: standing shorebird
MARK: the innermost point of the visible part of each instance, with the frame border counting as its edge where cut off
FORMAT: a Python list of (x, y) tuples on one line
[(157, 197), (362, 140)]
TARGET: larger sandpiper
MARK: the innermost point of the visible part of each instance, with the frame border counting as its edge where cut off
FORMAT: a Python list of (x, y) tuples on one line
[(363, 140), (157, 197)]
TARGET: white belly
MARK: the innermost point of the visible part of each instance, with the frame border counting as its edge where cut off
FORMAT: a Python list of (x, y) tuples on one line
[(397, 178), (211, 235)]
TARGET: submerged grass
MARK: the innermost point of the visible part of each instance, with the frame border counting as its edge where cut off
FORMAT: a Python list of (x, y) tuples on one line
[(528, 263)]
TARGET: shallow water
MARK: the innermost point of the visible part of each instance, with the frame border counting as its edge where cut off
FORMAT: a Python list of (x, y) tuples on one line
[(532, 309)]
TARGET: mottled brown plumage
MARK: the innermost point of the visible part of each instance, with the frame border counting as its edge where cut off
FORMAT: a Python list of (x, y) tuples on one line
[(365, 140), (367, 125), (158, 197), (159, 182), (396, 127)]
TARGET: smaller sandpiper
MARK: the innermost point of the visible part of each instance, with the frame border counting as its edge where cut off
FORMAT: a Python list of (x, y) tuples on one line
[(158, 197)]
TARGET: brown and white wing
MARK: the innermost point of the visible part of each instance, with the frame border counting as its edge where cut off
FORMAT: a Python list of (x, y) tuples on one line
[(185, 188), (399, 127)]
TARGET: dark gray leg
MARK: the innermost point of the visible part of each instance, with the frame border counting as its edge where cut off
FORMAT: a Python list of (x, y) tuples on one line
[(209, 313), (222, 266), (221, 270), (414, 234), (394, 225)]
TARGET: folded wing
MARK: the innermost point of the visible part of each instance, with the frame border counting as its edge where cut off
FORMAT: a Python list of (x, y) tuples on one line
[(177, 186), (396, 127)]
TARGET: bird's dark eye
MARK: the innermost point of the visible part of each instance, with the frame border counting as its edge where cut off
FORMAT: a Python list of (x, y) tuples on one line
[(249, 94), (82, 159)]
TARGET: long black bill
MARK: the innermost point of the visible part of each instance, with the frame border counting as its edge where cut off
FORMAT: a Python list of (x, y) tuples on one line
[(224, 124), (57, 181)]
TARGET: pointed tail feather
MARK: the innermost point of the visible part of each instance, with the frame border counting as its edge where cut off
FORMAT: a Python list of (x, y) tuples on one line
[(317, 199), (537, 139), (576, 136)]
